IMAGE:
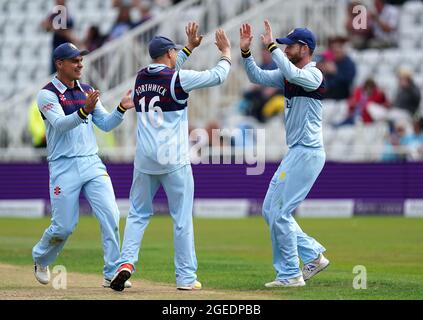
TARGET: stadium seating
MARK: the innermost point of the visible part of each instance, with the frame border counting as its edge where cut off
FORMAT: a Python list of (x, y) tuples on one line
[(25, 49)]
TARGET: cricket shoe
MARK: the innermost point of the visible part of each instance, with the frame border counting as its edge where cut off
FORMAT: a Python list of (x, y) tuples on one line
[(194, 286), (42, 274), (314, 267), (292, 282), (122, 275), (106, 283)]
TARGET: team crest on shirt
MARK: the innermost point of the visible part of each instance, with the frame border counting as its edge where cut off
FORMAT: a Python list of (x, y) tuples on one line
[(62, 97), (57, 190)]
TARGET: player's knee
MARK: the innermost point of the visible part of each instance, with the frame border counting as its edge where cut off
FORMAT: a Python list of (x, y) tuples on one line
[(62, 233)]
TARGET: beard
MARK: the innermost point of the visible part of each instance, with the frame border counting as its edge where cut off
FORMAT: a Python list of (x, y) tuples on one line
[(295, 59)]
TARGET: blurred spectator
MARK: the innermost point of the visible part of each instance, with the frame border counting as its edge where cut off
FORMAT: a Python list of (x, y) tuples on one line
[(60, 36), (408, 95), (397, 2), (123, 23), (262, 102), (384, 22), (338, 69), (368, 103), (144, 8), (395, 148), (267, 62), (123, 3), (163, 4), (414, 141), (417, 139), (94, 39), (403, 145), (359, 38)]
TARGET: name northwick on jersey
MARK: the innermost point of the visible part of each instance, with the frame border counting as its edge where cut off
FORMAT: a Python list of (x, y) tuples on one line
[(150, 87)]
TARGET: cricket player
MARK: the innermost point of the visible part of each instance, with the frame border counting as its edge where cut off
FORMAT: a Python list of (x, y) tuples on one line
[(303, 85), (69, 109), (162, 157)]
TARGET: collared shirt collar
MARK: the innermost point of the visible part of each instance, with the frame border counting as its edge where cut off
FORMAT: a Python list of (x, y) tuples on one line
[(310, 64), (156, 67), (62, 87)]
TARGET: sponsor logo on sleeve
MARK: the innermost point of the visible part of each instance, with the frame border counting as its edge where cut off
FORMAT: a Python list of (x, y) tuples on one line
[(47, 107)]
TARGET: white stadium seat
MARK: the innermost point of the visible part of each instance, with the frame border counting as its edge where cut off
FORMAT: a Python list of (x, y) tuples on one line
[(23, 42)]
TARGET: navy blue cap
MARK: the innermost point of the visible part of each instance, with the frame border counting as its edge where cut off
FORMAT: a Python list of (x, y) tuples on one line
[(159, 45), (68, 51), (299, 35)]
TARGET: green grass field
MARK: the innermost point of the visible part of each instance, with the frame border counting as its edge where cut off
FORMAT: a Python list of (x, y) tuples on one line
[(236, 254)]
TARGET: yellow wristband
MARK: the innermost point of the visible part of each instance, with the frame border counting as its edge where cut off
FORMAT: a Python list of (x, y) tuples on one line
[(83, 112)]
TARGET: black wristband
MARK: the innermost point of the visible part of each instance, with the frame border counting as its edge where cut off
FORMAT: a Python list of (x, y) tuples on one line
[(272, 46), (187, 51), (120, 108), (245, 53), (82, 114)]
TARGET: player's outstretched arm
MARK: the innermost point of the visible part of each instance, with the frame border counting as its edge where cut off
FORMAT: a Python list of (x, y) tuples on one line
[(191, 79), (273, 78)]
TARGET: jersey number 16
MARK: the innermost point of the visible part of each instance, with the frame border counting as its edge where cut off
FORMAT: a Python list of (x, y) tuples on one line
[(155, 113)]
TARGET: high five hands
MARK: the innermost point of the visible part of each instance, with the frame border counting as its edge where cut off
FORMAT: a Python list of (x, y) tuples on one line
[(246, 35)]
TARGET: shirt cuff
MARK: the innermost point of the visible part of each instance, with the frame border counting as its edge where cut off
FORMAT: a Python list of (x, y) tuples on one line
[(224, 58)]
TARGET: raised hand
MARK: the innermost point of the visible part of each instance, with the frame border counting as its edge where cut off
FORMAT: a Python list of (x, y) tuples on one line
[(246, 36), (92, 99), (267, 37), (194, 40), (127, 101), (222, 42)]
